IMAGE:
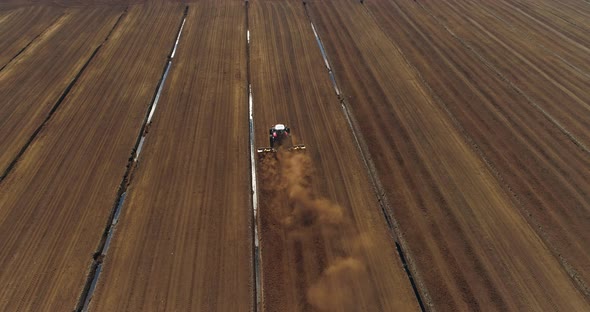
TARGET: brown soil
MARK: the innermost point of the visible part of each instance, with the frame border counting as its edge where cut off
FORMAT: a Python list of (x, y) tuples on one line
[(324, 243), (473, 116), (184, 241), (470, 243), (32, 83), (22, 25), (56, 201)]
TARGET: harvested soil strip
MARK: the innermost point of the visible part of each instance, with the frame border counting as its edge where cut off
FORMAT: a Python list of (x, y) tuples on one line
[(324, 242), (531, 158), (21, 27), (184, 238), (35, 85), (463, 234), (56, 201)]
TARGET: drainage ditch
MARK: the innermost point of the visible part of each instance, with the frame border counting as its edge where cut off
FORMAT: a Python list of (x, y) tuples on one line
[(363, 149), (257, 260), (101, 251)]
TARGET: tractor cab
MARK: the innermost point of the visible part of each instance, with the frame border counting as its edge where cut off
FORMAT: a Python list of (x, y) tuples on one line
[(280, 135), (277, 134)]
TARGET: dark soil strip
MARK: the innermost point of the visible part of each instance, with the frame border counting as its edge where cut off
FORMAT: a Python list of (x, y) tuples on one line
[(377, 186), (101, 250), (59, 101)]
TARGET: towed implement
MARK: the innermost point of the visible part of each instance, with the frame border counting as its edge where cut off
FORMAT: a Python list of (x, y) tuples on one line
[(280, 137)]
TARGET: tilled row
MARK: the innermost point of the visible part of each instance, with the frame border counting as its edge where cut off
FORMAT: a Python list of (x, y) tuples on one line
[(323, 240), (406, 136), (184, 238), (531, 158), (109, 231), (465, 235), (37, 82), (23, 26), (55, 202)]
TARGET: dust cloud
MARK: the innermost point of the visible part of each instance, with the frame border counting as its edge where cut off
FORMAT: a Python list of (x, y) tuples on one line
[(308, 209), (344, 281), (335, 288)]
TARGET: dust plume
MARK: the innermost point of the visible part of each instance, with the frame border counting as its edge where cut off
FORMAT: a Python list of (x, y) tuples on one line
[(307, 208), (335, 288), (344, 280)]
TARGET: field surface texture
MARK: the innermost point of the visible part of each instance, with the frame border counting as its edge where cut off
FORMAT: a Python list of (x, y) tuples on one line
[(442, 160), (324, 242), (187, 221), (21, 27), (466, 235), (33, 84), (534, 160), (75, 166)]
